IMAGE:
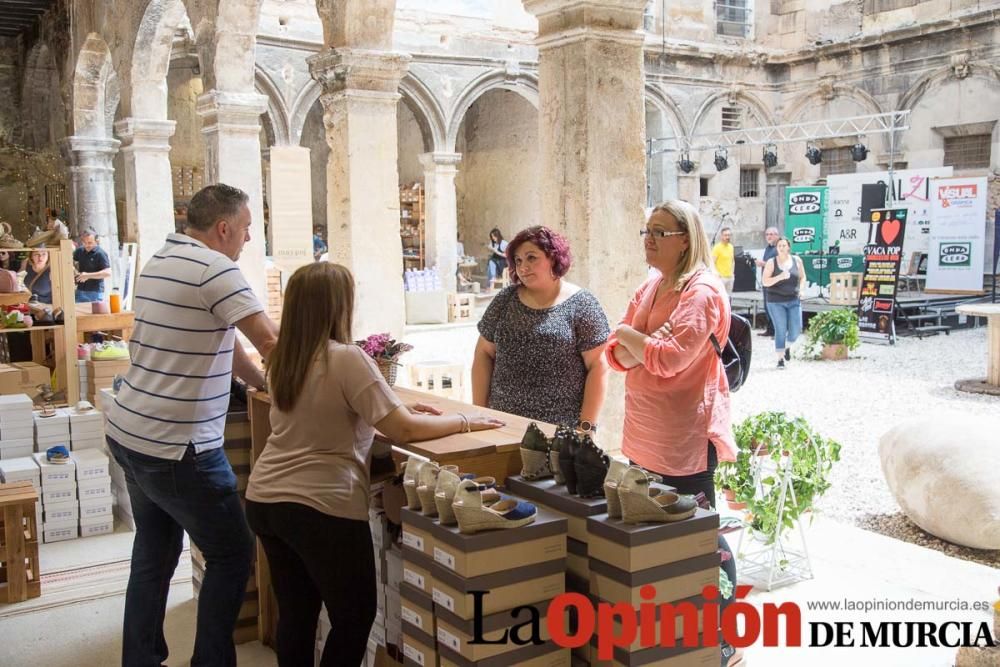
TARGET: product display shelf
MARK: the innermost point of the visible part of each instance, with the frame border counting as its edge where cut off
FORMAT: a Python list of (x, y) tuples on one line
[(411, 226)]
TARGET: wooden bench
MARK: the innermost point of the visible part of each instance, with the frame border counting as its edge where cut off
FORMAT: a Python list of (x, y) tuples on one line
[(19, 570)]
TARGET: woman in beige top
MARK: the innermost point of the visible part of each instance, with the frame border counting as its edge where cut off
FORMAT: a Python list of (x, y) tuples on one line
[(307, 499)]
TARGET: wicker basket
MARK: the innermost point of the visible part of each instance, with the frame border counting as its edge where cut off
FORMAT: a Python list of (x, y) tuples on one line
[(388, 368)]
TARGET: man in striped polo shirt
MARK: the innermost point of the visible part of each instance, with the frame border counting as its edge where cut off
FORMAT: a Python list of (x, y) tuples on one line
[(166, 425)]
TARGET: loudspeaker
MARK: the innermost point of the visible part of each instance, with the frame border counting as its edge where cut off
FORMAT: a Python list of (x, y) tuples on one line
[(745, 276)]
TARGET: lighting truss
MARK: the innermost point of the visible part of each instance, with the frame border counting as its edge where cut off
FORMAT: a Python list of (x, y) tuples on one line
[(808, 131)]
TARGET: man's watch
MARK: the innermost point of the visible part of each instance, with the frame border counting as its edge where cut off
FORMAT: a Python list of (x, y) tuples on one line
[(586, 426)]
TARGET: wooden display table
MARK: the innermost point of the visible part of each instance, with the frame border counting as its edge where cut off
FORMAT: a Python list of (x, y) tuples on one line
[(990, 385), (120, 323)]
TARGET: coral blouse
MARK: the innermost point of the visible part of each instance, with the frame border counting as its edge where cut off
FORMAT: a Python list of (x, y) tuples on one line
[(678, 398)]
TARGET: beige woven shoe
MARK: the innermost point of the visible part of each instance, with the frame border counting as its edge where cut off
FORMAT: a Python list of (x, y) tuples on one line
[(410, 476), (444, 494), (639, 507), (474, 517), (427, 483), (616, 471)]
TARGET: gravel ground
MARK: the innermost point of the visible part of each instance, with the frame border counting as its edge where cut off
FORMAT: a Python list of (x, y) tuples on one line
[(856, 401)]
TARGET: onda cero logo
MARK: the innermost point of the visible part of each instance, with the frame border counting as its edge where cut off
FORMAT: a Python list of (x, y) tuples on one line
[(955, 254), (804, 203), (803, 234), (844, 262)]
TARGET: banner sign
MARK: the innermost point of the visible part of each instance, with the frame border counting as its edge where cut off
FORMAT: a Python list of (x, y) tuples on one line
[(956, 257), (910, 187), (805, 211), (883, 255)]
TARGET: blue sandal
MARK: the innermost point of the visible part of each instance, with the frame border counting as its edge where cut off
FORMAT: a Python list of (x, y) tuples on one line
[(58, 454)]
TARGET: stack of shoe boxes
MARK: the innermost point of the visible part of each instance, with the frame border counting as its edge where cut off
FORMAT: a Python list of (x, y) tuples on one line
[(86, 429), (679, 559), (51, 431), (24, 469), (17, 435), (119, 489), (94, 488), (518, 566), (60, 507), (101, 375), (81, 369)]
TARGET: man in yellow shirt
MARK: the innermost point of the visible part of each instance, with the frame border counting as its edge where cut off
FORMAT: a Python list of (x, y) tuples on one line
[(723, 255)]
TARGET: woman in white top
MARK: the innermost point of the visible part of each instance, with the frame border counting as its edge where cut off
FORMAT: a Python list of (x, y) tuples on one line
[(784, 278), (497, 260), (307, 499)]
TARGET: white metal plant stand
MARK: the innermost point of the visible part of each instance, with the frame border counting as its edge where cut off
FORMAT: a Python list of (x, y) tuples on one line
[(774, 560)]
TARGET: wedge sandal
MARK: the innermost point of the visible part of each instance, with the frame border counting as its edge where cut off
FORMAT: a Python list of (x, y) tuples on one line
[(639, 507), (410, 476), (559, 440), (534, 454), (447, 485), (591, 466), (611, 483), (567, 458), (427, 485), (474, 517)]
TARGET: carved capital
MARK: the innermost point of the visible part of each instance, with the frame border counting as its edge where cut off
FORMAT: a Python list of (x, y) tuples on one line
[(827, 88), (338, 70), (961, 65)]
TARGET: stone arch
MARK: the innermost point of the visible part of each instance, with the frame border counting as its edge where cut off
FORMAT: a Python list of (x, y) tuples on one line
[(853, 93), (751, 100), (151, 59), (526, 85), (276, 119), (300, 108), (660, 100), (421, 101), (92, 87), (937, 77)]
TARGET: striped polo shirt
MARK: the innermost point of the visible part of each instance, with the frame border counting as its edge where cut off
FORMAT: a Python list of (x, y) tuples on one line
[(176, 392)]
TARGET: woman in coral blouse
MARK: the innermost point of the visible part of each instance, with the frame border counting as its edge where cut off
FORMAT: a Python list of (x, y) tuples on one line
[(676, 394)]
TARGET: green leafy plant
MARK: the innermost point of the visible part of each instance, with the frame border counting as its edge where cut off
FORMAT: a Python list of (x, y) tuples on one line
[(787, 441), (833, 327)]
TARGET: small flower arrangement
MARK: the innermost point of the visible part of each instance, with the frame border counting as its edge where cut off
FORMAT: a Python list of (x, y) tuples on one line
[(380, 346)]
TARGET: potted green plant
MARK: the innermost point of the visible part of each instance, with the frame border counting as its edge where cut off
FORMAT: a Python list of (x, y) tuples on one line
[(833, 333), (787, 441)]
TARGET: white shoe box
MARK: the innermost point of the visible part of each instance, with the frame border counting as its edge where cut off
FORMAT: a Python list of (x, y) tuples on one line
[(58, 493), (63, 530), (99, 525), (55, 473), (94, 488), (17, 433), (377, 634), (54, 423), (97, 507), (22, 469), (90, 464), (15, 409), (46, 441), (105, 399), (63, 512), (16, 452), (87, 430), (95, 442)]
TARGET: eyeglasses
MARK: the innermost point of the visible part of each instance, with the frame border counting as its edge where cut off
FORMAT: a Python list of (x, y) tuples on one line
[(659, 233)]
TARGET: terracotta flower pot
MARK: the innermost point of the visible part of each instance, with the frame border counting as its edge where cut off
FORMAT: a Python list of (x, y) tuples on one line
[(733, 505), (730, 494), (834, 352)]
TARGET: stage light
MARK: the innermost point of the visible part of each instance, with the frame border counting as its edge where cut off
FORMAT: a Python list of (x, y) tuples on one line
[(859, 152), (685, 164), (770, 156), (814, 155), (721, 159)]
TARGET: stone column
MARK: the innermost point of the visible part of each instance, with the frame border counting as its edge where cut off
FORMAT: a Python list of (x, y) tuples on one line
[(231, 127), (359, 112), (149, 189), (592, 149), (92, 187), (441, 234)]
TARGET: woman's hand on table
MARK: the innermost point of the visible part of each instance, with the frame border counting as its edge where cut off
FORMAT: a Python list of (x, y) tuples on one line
[(423, 409), (483, 423)]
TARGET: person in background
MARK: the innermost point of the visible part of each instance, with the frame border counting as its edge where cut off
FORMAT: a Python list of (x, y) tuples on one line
[(540, 352), (497, 260), (724, 258), (308, 495), (93, 267), (677, 420), (38, 279), (771, 236), (165, 427), (784, 279), (319, 245)]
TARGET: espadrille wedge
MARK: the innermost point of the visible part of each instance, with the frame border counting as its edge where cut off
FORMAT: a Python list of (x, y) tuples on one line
[(639, 507), (410, 476), (447, 485), (474, 517), (591, 466), (616, 472), (427, 484), (559, 440), (567, 458), (534, 453)]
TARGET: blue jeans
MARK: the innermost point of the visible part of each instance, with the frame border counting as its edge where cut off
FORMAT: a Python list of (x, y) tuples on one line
[(787, 319), (495, 267), (86, 296), (196, 494)]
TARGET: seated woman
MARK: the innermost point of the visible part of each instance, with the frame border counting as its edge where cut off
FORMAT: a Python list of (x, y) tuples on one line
[(38, 280), (307, 498)]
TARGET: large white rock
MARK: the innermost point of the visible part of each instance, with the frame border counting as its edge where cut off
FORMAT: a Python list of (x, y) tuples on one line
[(945, 474)]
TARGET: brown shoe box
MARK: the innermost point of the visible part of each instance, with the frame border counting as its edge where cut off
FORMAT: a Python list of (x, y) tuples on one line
[(672, 581), (557, 498), (417, 571), (658, 656), (417, 610), (680, 620), (416, 533), (636, 547), (577, 559), (532, 655), (455, 633), (507, 589), (418, 648), (495, 550)]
